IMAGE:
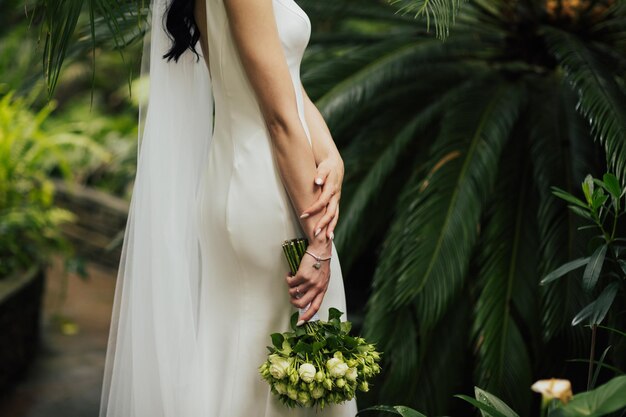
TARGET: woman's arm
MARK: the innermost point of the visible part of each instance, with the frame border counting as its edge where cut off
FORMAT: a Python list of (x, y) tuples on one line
[(255, 33), (330, 169)]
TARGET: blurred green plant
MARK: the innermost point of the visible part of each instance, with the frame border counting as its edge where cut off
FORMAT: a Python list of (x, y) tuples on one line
[(602, 401), (30, 224), (605, 270)]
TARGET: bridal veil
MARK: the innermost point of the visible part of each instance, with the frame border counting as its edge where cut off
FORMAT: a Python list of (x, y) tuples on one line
[(152, 363)]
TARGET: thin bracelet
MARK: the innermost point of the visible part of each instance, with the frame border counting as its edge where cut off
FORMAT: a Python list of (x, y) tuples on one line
[(318, 264)]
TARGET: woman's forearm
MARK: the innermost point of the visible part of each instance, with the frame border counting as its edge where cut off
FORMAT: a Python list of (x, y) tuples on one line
[(297, 166), (254, 31), (323, 144)]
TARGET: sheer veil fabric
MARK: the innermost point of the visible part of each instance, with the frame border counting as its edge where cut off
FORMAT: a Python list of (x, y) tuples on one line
[(151, 355)]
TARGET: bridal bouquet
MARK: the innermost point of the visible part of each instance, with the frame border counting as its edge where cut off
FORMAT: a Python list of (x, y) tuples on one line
[(317, 363)]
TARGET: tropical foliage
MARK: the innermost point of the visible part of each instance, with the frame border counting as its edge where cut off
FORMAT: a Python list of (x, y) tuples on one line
[(452, 148), (605, 268), (602, 401), (29, 222)]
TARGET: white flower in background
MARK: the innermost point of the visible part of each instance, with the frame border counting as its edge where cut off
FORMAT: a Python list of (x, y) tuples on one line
[(336, 367), (560, 389), (307, 372)]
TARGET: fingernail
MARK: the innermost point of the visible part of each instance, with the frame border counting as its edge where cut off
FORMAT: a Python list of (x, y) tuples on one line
[(318, 181), (304, 215), (317, 232), (332, 235), (300, 323)]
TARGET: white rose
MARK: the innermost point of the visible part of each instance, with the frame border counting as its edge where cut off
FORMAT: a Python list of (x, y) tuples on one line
[(307, 372), (351, 374), (336, 367), (279, 367)]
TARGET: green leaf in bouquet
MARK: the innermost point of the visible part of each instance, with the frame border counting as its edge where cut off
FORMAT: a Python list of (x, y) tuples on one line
[(350, 342), (294, 321), (317, 346), (302, 347), (346, 326), (333, 342), (277, 340), (333, 313), (300, 331)]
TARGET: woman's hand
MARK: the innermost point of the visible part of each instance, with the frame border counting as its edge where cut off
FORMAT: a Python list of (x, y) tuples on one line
[(330, 177), (309, 285)]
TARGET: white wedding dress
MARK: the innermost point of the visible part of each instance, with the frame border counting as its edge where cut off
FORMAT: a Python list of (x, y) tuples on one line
[(192, 347)]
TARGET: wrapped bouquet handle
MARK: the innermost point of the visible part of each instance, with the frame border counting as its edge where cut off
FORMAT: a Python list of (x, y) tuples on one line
[(294, 251)]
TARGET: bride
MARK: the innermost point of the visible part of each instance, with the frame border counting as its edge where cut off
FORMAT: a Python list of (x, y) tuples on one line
[(234, 159)]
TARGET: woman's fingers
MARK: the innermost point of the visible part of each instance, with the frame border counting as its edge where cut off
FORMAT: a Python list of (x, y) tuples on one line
[(299, 291), (294, 280), (321, 174), (322, 201), (331, 212), (330, 231), (313, 308)]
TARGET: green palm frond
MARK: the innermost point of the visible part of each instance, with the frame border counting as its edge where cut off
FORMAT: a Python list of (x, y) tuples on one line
[(61, 18), (341, 10), (560, 145), (401, 64), (443, 12), (601, 101), (508, 277), (419, 371), (369, 188), (429, 254)]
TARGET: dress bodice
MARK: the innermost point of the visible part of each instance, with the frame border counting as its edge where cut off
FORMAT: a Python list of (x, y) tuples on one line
[(235, 99)]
